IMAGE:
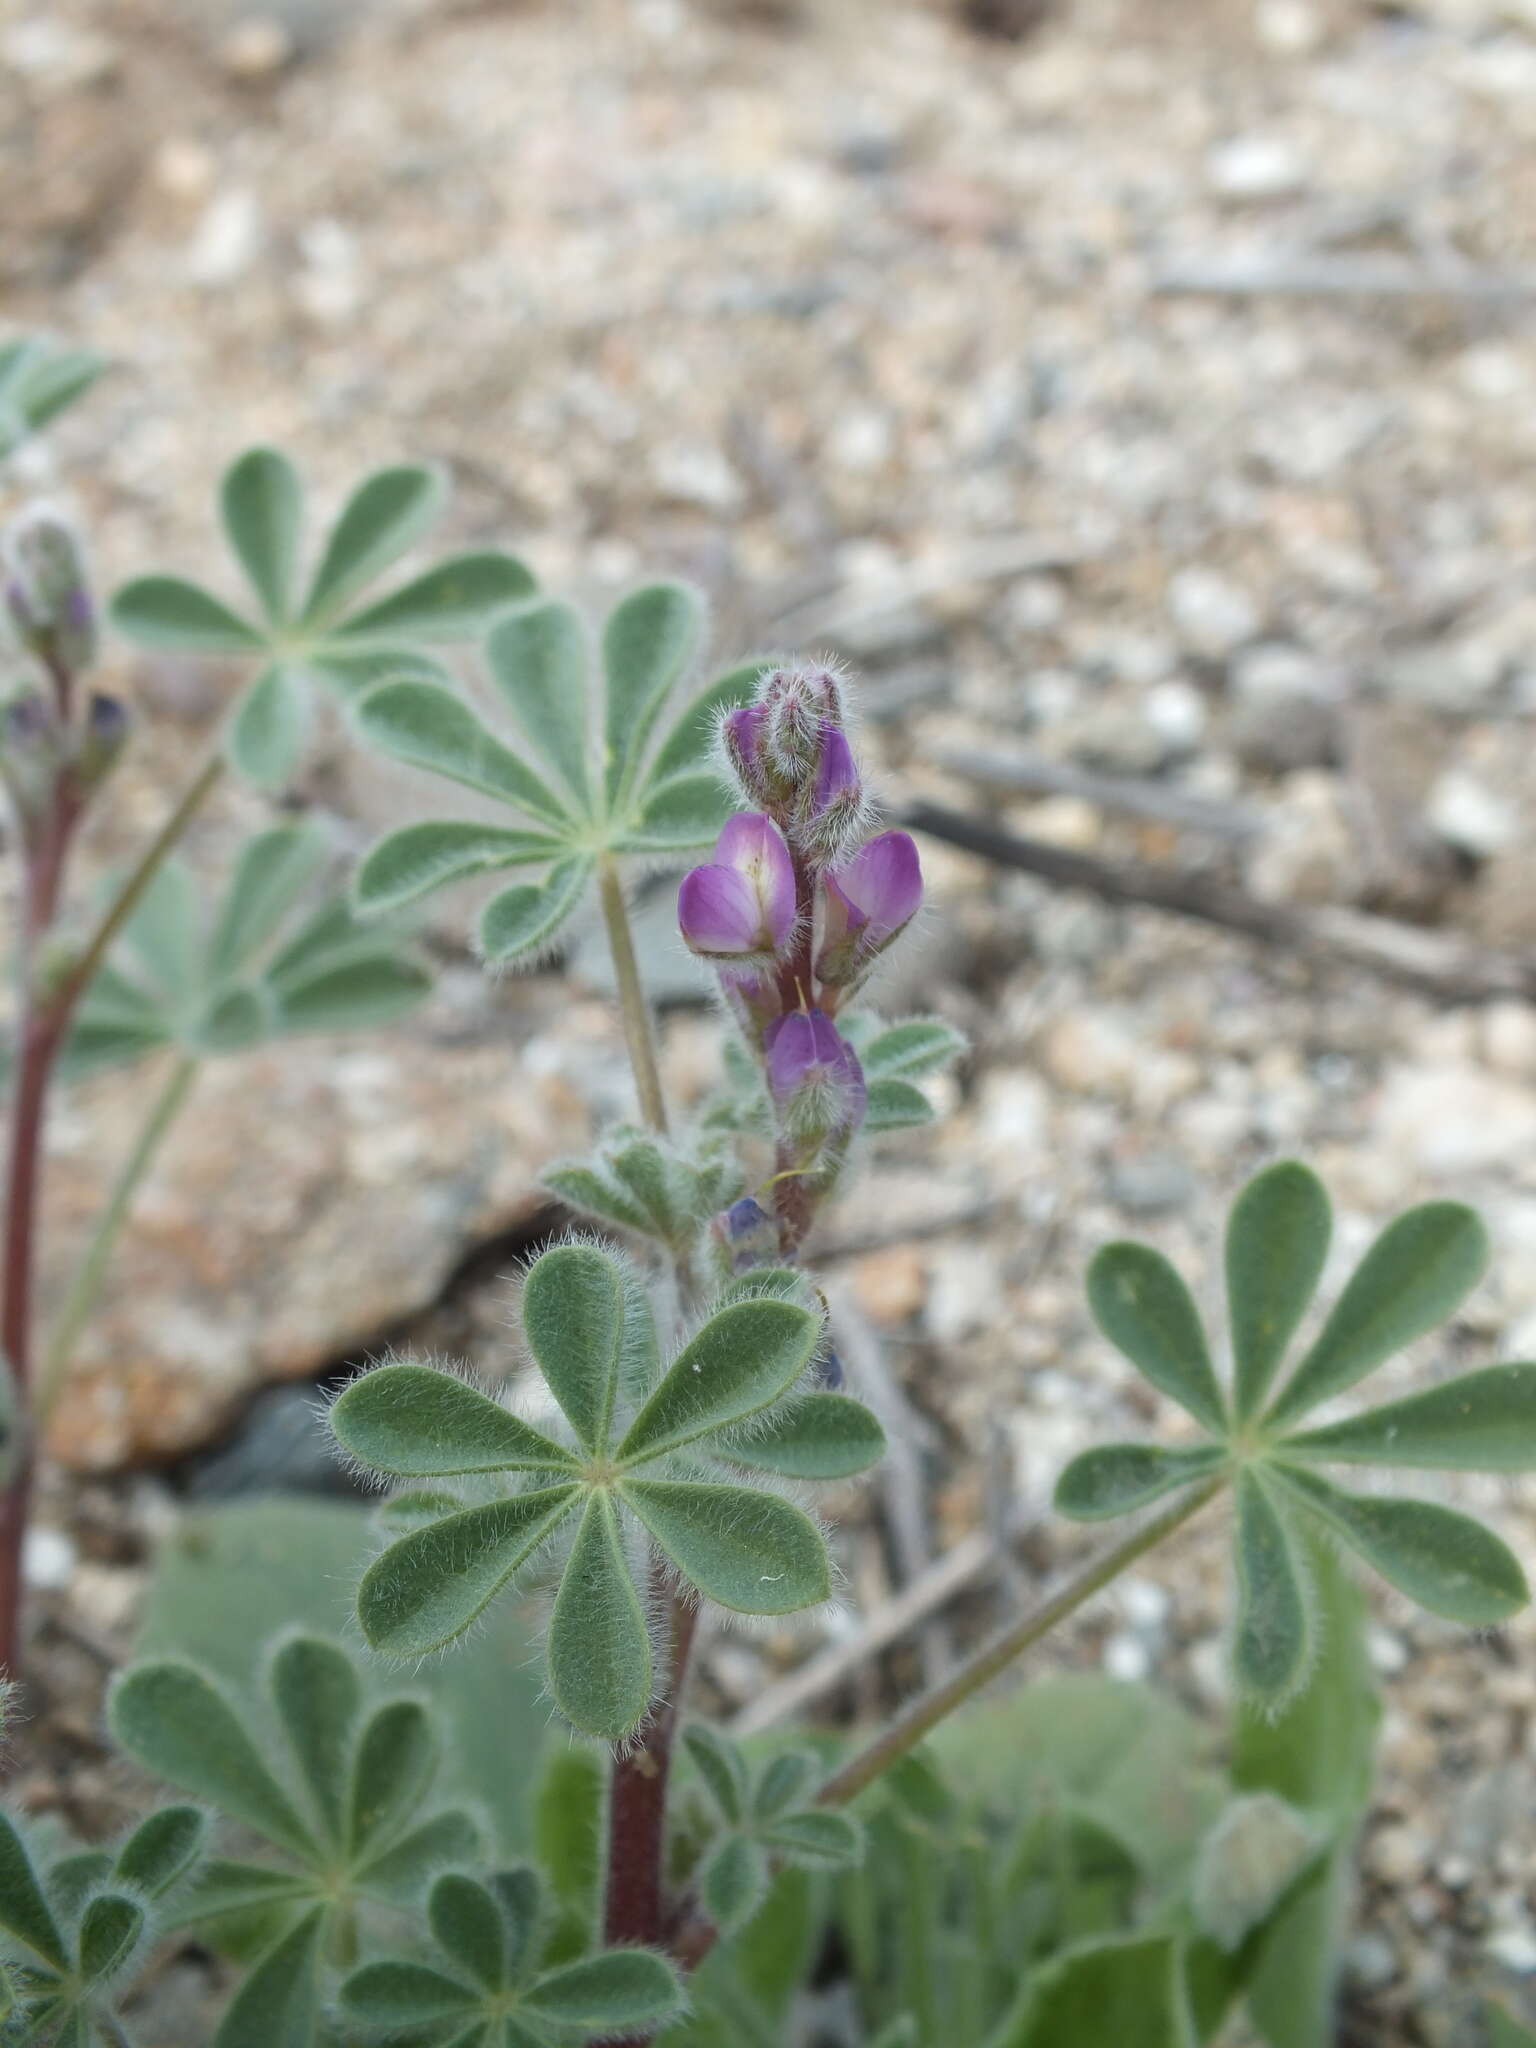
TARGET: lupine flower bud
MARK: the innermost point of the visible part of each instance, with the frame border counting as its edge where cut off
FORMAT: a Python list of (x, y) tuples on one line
[(102, 743), (814, 1075), (743, 735), (866, 903), (31, 752), (798, 702), (833, 803), (742, 905), (745, 1235), (48, 592)]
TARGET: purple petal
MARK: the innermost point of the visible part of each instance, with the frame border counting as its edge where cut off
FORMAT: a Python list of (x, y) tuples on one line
[(754, 846), (837, 773), (718, 913), (882, 885), (807, 1056)]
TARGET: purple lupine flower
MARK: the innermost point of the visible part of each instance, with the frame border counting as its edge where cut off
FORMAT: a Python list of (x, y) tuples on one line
[(742, 905), (866, 903), (814, 1075)]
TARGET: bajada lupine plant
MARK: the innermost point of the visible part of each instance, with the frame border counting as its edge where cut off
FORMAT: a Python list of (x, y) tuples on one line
[(686, 1394), (1415, 1275)]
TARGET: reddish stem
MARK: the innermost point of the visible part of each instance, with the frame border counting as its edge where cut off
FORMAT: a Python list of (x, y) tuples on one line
[(40, 1030), (634, 1909)]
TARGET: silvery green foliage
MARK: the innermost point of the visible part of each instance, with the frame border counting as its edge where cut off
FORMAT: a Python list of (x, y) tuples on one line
[(74, 1927), (347, 1817), (599, 786), (761, 1816), (489, 1982), (641, 1455), (1415, 1276), (305, 630), (38, 379), (652, 1186), (255, 965)]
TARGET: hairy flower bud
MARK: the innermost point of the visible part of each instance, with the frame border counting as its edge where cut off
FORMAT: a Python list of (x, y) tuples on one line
[(865, 904), (742, 905), (814, 1076), (798, 702), (745, 1235), (48, 592), (32, 750), (743, 736), (832, 806)]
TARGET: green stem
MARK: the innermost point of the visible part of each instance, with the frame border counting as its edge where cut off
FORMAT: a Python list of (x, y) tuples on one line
[(89, 1274), (126, 901), (934, 1706), (633, 1006)]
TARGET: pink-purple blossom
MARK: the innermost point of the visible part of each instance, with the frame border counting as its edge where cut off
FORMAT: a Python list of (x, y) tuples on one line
[(741, 906), (814, 1074), (866, 903)]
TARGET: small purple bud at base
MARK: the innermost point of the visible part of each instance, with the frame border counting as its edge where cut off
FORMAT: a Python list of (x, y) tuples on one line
[(814, 1076)]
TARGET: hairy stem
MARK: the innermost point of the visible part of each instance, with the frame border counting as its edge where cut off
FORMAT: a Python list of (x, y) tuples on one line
[(697, 1936), (633, 1006), (91, 1271)]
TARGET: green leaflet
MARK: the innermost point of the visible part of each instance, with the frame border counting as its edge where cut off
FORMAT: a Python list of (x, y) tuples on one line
[(396, 1761), (1443, 1560), (1414, 1276), (419, 1423), (751, 1552), (518, 922), (180, 1726), (161, 1850), (262, 504), (599, 1647), (1146, 1312), (1129, 1992), (429, 727), (384, 516), (280, 1998), (1117, 1478), (744, 1358), (24, 1912), (427, 1588), (1482, 1422), (573, 1316), (538, 658), (169, 613), (1273, 1645), (825, 1436), (1277, 1243), (647, 642)]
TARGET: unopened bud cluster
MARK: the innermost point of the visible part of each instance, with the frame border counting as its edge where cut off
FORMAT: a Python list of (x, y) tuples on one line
[(58, 742), (799, 900)]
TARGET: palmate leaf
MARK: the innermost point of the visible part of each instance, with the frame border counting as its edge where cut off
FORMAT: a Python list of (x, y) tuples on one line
[(591, 1332), (255, 970), (1482, 1422), (537, 658), (261, 504), (825, 1436)]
